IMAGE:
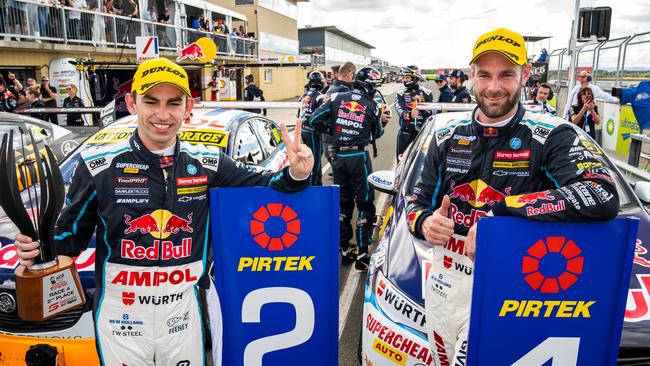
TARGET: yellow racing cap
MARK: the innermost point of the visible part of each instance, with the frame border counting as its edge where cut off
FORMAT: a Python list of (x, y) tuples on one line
[(504, 41), (156, 71)]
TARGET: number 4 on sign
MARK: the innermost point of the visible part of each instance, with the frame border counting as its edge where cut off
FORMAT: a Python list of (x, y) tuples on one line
[(563, 352)]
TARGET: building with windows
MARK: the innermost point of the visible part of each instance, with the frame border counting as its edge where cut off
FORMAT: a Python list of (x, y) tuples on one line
[(336, 45), (274, 23)]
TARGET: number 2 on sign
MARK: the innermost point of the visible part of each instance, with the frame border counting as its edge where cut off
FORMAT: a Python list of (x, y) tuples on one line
[(251, 310), (562, 350)]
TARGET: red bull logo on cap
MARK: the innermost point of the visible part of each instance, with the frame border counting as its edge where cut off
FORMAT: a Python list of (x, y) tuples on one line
[(552, 265), (159, 224), (477, 193)]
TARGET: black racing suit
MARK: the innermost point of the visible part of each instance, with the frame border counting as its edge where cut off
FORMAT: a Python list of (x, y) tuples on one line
[(461, 95), (310, 101), (446, 96), (534, 167), (405, 101), (151, 218), (353, 119), (338, 86)]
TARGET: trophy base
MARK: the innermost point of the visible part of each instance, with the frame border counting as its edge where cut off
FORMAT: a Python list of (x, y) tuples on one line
[(44, 293)]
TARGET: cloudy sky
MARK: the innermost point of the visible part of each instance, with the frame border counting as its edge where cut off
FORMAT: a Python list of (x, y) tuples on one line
[(437, 33)]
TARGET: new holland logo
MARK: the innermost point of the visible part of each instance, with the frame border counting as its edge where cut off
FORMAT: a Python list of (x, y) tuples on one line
[(275, 227), (553, 265)]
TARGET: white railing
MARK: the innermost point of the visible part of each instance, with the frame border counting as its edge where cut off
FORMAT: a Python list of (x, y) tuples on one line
[(30, 20)]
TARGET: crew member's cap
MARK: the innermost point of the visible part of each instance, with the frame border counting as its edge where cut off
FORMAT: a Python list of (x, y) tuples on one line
[(504, 41), (457, 74), (440, 77), (156, 71)]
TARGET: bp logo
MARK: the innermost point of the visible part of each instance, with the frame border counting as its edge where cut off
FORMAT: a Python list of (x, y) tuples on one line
[(553, 265), (275, 226), (610, 127)]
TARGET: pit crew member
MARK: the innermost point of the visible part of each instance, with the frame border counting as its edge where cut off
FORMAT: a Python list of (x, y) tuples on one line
[(410, 118)]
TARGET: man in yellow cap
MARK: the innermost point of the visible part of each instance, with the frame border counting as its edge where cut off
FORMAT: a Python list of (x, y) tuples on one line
[(498, 160), (146, 200)]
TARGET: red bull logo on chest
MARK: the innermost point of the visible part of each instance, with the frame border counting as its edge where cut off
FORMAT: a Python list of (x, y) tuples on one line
[(160, 224), (477, 193)]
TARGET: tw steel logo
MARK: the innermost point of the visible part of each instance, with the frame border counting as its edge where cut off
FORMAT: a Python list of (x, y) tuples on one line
[(552, 279), (159, 224), (275, 226)]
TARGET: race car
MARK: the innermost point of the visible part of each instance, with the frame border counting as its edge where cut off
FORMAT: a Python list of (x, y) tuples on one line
[(394, 324), (247, 137)]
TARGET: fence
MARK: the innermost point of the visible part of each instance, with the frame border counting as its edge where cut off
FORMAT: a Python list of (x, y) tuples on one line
[(26, 20)]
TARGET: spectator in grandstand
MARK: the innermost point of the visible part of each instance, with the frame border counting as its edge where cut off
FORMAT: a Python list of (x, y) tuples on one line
[(585, 81)]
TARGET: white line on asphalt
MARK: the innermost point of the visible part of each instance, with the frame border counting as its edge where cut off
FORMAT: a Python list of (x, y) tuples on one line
[(326, 168), (345, 301)]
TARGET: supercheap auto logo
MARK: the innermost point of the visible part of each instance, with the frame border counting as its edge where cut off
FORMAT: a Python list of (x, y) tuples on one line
[(550, 266), (275, 227)]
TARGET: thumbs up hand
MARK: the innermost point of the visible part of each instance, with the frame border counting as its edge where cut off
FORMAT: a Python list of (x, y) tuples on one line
[(438, 228)]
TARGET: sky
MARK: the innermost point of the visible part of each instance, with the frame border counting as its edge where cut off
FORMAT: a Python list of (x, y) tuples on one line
[(441, 34)]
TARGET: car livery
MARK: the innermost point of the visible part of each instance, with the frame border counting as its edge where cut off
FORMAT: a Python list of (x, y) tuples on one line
[(399, 265), (248, 138)]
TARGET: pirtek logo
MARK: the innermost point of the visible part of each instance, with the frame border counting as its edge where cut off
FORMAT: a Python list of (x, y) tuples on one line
[(265, 226), (498, 38), (162, 68), (546, 256)]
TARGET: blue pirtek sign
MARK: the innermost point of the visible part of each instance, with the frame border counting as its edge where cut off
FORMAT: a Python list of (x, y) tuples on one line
[(549, 292), (276, 273)]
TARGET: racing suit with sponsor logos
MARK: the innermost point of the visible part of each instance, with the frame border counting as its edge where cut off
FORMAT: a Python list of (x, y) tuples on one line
[(405, 100), (461, 95), (353, 119), (311, 100), (338, 86), (150, 214), (534, 167)]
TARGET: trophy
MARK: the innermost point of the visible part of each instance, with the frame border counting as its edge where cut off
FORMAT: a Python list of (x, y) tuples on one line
[(51, 285)]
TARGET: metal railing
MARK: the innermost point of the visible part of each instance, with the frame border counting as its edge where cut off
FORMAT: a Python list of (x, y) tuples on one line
[(30, 20)]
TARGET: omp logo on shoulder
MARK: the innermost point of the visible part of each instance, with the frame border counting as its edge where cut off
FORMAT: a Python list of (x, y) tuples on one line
[(550, 266), (275, 227)]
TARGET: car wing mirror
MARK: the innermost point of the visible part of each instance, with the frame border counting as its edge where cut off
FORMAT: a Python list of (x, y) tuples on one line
[(383, 181), (642, 190)]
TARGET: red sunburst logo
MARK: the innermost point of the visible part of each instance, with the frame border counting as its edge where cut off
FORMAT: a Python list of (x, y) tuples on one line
[(552, 265), (275, 226)]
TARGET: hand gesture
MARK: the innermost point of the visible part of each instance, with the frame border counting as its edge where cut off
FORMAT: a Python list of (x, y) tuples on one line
[(415, 113), (438, 228), (26, 248), (301, 161), (11, 75)]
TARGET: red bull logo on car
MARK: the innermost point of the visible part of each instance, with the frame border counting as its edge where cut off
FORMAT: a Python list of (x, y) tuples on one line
[(638, 300), (477, 193), (159, 224), (640, 250)]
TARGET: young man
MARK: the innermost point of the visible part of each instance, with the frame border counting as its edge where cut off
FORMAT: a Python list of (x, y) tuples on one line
[(446, 95), (353, 119), (475, 152), (541, 98), (456, 80), (410, 118), (148, 273), (343, 78), (310, 101), (253, 94)]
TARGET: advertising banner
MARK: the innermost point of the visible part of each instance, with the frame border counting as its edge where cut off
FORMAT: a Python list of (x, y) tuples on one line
[(550, 292), (627, 126), (276, 274), (538, 73)]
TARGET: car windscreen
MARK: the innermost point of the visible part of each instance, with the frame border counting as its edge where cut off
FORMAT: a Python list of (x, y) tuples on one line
[(418, 157)]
